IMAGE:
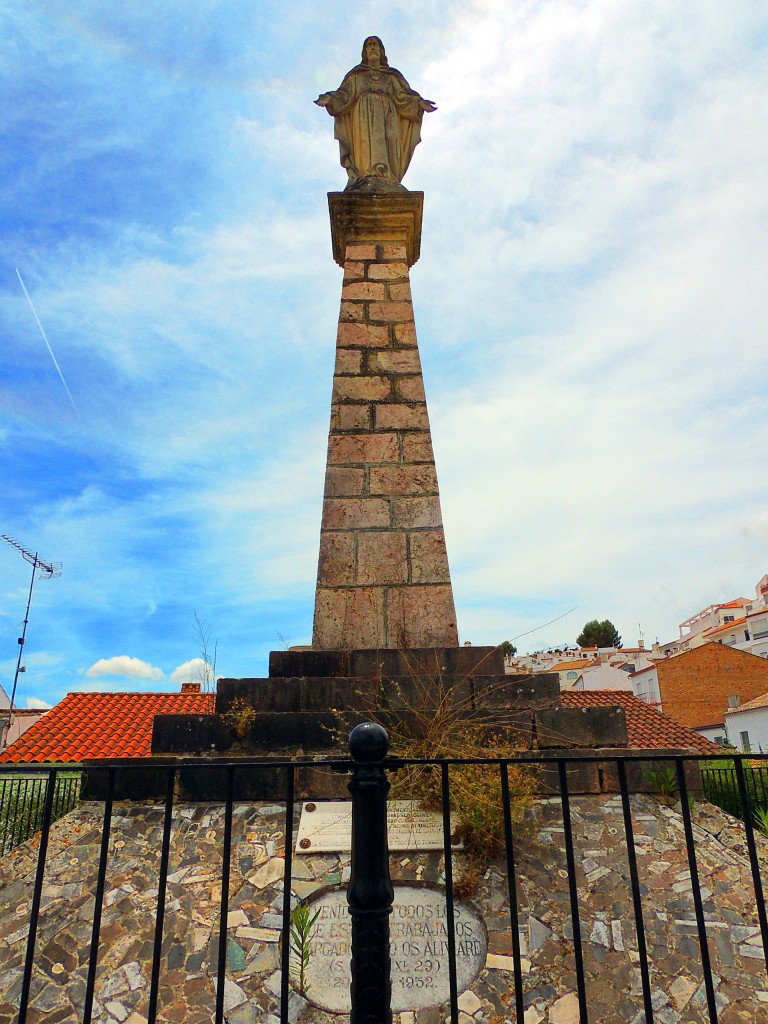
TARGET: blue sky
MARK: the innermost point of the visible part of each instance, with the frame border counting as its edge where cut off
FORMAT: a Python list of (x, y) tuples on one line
[(590, 303)]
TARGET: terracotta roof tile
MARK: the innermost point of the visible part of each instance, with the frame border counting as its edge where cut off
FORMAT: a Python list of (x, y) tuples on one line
[(750, 705), (563, 666), (86, 725), (647, 727)]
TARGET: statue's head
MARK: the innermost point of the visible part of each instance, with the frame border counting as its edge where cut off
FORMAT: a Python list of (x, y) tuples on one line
[(373, 46)]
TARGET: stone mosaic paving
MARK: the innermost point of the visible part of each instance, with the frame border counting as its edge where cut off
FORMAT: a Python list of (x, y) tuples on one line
[(190, 946)]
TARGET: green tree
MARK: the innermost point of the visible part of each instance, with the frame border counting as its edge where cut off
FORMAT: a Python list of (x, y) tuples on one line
[(507, 648), (599, 634)]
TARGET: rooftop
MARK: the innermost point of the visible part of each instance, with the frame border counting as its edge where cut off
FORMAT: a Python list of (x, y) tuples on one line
[(647, 728), (750, 705), (87, 725)]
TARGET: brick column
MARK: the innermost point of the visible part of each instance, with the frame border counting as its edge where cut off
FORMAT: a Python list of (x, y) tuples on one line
[(383, 578)]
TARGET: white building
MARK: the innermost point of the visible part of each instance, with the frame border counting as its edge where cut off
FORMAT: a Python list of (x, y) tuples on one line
[(747, 726)]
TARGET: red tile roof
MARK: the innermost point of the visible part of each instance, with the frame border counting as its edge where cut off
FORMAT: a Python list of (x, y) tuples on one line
[(563, 666), (750, 705), (647, 727), (86, 725)]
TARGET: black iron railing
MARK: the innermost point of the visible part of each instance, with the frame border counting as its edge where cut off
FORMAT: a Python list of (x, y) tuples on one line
[(370, 890), (22, 799), (721, 786)]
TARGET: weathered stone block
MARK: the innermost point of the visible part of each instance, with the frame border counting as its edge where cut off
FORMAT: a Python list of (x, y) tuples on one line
[(399, 292), (387, 271), (417, 513), (365, 448), (351, 312), (397, 480), (336, 564), (362, 335), (410, 389), (350, 417), (363, 290), (428, 556), (381, 557), (361, 389), (518, 691), (342, 482), (405, 334), (356, 251), (181, 733), (396, 361), (391, 312), (349, 618), (354, 271), (354, 513), (581, 776), (581, 727), (394, 251), (418, 447), (421, 616), (401, 415), (348, 360)]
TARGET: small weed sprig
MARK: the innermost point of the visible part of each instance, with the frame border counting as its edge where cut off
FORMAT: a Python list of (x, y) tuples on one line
[(240, 716), (302, 923)]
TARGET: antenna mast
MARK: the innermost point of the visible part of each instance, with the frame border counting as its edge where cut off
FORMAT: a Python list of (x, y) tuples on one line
[(48, 571)]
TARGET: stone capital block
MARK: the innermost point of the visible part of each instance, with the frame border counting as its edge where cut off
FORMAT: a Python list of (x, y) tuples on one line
[(387, 271), (393, 219)]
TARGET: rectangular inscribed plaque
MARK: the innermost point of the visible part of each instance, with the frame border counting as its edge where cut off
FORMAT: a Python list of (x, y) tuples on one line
[(326, 826)]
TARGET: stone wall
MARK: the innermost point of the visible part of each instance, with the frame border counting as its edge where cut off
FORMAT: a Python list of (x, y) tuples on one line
[(190, 941)]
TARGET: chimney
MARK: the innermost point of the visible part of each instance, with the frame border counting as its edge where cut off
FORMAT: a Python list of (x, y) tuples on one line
[(190, 687)]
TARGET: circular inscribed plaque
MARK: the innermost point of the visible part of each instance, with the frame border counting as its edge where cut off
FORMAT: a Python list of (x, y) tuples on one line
[(418, 945)]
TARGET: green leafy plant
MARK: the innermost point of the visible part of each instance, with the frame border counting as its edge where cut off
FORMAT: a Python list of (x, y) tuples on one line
[(302, 923), (663, 781), (760, 819)]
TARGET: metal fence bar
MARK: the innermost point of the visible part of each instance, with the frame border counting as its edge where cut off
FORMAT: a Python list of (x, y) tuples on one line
[(696, 891), (162, 884), (637, 903), (450, 922), (98, 900), (34, 913), (754, 864), (574, 894), (286, 951), (224, 900), (509, 849)]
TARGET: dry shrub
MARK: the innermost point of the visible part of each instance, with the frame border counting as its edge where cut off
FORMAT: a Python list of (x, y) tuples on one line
[(431, 716)]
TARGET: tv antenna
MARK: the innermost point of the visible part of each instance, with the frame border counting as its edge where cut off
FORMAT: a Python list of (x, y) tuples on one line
[(48, 571)]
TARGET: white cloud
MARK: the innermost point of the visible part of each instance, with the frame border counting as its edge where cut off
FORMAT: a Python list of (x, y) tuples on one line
[(35, 702), (191, 671), (123, 665)]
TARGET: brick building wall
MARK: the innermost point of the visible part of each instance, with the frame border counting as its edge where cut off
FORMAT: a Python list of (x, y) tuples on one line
[(695, 686)]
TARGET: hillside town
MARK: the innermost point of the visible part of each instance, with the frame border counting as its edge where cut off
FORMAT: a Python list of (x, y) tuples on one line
[(713, 677)]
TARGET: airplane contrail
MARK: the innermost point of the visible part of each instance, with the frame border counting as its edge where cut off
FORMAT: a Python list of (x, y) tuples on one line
[(45, 339)]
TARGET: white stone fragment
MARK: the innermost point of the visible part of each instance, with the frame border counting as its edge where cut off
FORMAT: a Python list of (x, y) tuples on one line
[(469, 1002), (268, 873), (618, 938), (565, 1010), (258, 934), (236, 918)]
